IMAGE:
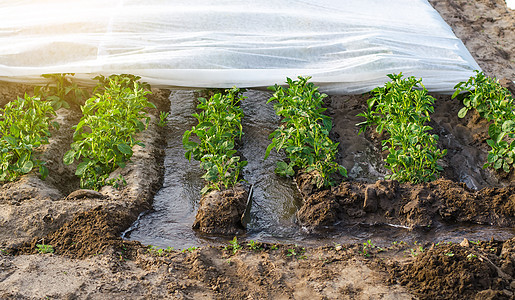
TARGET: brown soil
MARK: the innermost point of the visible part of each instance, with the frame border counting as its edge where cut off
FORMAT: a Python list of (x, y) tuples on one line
[(421, 205), (220, 212), (91, 260)]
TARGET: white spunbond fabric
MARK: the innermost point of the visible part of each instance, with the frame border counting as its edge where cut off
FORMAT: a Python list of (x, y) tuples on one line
[(346, 46)]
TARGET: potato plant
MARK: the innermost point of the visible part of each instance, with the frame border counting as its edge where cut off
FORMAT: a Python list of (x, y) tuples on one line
[(494, 103), (304, 132), (219, 125), (402, 109), (25, 125), (61, 91), (104, 137)]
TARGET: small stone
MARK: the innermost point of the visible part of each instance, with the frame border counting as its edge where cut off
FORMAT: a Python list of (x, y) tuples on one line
[(465, 243), (512, 285)]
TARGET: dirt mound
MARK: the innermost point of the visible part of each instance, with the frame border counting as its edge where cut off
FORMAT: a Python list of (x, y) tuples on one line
[(220, 212), (421, 205), (459, 272), (89, 233)]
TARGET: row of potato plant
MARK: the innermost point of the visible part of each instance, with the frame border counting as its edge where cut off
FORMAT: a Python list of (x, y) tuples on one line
[(25, 125), (304, 132), (494, 103), (105, 134), (402, 108), (219, 126)]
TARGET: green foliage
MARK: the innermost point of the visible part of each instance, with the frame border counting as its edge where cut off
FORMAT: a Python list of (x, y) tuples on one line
[(402, 109), (159, 251), (42, 248), (190, 249), (253, 245), (304, 132), (233, 246), (104, 137), (162, 119), (123, 80), (25, 125), (61, 91), (297, 252), (219, 124), (494, 103)]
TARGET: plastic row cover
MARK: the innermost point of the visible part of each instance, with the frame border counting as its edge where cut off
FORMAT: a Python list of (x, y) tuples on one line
[(346, 46)]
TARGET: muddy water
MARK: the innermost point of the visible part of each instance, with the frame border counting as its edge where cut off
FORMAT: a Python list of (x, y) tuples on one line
[(275, 200)]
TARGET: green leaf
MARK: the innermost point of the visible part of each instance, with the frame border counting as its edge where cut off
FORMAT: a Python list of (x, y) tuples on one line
[(69, 157), (81, 168), (508, 126), (284, 169), (10, 140), (27, 166), (462, 112), (124, 148), (43, 171), (269, 149)]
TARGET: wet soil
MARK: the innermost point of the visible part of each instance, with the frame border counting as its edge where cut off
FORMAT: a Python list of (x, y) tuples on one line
[(91, 260), (220, 212)]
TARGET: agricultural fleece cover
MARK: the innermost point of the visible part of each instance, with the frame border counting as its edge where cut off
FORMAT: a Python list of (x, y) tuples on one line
[(346, 46)]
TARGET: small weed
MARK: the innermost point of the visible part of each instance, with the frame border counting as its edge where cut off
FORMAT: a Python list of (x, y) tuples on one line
[(162, 119), (367, 246), (450, 254), (337, 247), (42, 248), (256, 246), (159, 252), (297, 252), (416, 251), (471, 256), (233, 246), (190, 249), (291, 252), (274, 247)]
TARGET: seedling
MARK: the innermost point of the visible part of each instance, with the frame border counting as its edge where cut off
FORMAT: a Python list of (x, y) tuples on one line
[(42, 248), (190, 249), (297, 253), (256, 246), (291, 252), (233, 246), (449, 254), (337, 247), (367, 246), (471, 256), (162, 119)]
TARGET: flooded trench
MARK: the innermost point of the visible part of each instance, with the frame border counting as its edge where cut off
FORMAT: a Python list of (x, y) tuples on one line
[(275, 200)]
